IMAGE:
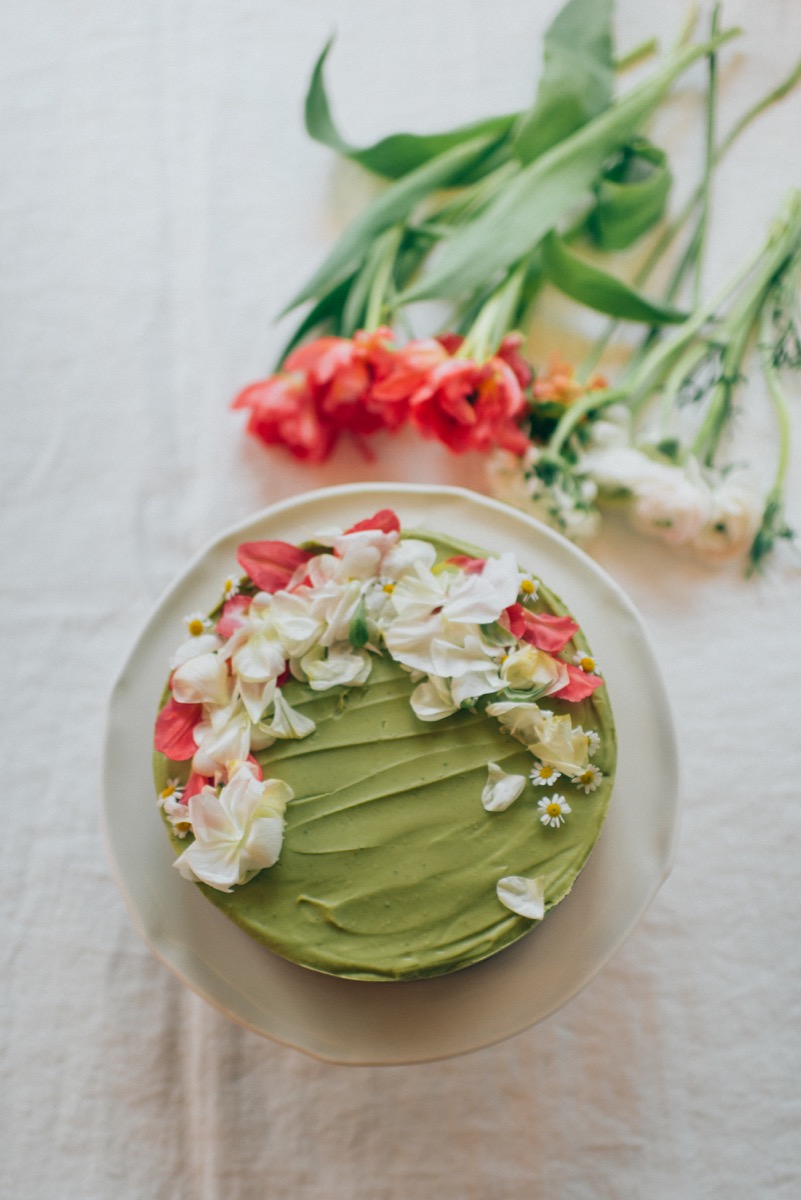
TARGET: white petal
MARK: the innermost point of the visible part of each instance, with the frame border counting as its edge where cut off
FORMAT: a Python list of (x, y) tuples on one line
[(202, 680), (287, 722), (501, 789), (526, 897), (481, 598), (205, 644), (432, 700)]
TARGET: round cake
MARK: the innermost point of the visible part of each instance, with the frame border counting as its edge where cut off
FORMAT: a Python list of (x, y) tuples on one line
[(384, 754)]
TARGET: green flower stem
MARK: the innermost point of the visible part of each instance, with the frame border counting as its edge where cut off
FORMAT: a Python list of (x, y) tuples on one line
[(495, 318), (699, 239), (673, 228), (782, 409), (382, 289)]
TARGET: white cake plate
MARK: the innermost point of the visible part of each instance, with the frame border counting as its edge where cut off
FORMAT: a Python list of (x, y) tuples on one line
[(346, 1021)]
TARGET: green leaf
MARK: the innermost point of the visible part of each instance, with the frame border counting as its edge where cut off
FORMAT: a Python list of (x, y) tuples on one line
[(599, 290), (392, 207), (577, 80), (631, 196), (358, 633), (535, 200), (400, 153)]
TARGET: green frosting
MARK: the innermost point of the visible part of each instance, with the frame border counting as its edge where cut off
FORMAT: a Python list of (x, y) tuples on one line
[(390, 862)]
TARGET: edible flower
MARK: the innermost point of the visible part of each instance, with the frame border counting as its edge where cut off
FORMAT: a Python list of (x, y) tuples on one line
[(501, 789), (238, 830), (523, 896), (553, 810)]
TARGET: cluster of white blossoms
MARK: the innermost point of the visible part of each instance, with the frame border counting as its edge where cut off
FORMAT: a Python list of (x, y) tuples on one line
[(715, 513), (368, 590)]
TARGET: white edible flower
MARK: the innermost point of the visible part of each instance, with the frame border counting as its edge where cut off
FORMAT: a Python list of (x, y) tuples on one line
[(361, 554), (418, 593), (432, 700), (588, 779), (203, 679), (238, 830), (176, 812), (523, 896), (553, 810), (501, 789), (561, 745), (523, 720), (222, 738), (286, 722), (230, 587), (593, 742), (585, 662), (337, 665), (479, 598), (197, 624), (544, 774), (528, 668)]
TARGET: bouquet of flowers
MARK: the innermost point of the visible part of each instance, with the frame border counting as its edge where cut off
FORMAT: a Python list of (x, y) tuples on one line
[(478, 219)]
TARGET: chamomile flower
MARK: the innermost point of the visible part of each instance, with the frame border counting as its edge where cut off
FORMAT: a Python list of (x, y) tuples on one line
[(553, 810), (544, 774), (176, 812), (528, 586), (197, 624), (593, 742), (585, 662), (588, 779), (230, 587)]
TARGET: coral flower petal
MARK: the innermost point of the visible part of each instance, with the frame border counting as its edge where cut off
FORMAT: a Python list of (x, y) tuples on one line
[(271, 565), (174, 726), (543, 630), (582, 684)]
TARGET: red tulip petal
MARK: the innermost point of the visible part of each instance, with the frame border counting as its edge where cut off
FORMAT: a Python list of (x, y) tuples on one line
[(385, 520), (543, 630), (582, 684), (271, 565), (174, 726), (194, 784)]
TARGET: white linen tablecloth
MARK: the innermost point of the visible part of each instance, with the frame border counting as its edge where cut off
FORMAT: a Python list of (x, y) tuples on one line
[(160, 203)]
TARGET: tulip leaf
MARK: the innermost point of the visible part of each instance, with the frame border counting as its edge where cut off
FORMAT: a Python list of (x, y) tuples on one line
[(400, 153), (534, 202), (597, 289), (577, 78), (630, 196), (391, 207)]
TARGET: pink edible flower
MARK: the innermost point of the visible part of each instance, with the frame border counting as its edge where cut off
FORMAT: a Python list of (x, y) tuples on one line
[(582, 684), (174, 729), (271, 565), (545, 631)]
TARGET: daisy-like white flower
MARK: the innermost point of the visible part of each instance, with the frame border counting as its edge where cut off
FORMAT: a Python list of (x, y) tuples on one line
[(176, 812), (197, 624), (593, 742), (588, 779), (528, 586), (585, 662), (544, 774), (553, 810), (230, 587)]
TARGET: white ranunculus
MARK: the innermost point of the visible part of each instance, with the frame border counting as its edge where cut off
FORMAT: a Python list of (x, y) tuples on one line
[(672, 503), (501, 789), (733, 521), (203, 679), (238, 831), (526, 897)]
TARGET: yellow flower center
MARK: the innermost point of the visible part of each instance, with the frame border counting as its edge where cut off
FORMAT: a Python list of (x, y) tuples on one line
[(587, 663), (587, 777), (527, 586), (554, 809), (168, 791), (389, 588), (195, 627), (546, 772)]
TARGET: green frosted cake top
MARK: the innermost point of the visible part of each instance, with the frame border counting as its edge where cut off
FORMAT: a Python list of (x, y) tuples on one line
[(384, 844)]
